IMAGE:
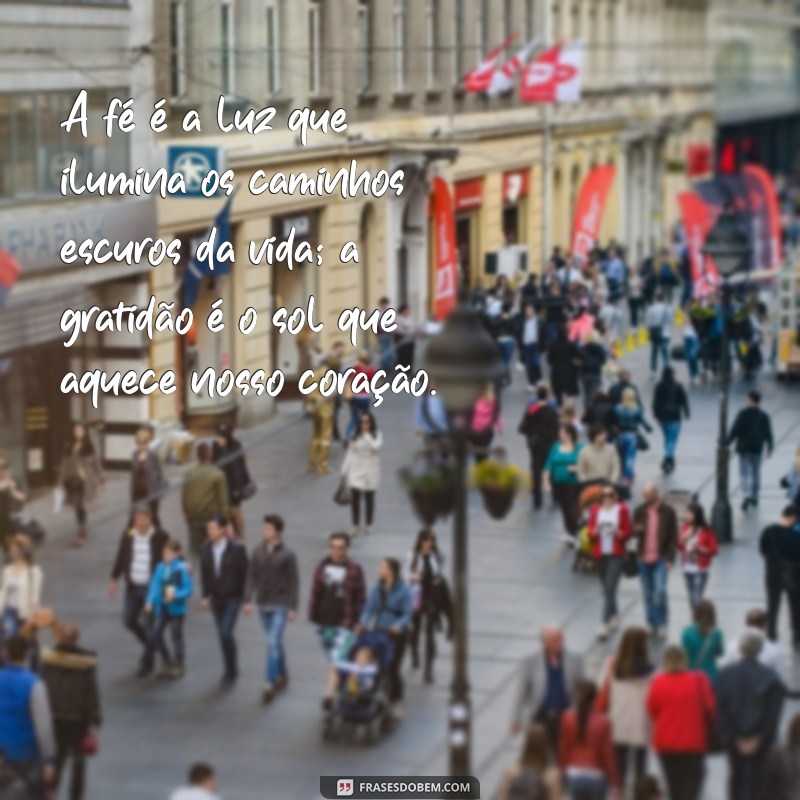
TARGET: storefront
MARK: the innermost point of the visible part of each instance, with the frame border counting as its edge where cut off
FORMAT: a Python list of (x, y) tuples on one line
[(516, 184), (468, 203)]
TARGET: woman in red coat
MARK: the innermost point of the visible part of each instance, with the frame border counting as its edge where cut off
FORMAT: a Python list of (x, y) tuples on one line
[(585, 750), (682, 707), (698, 545), (609, 529)]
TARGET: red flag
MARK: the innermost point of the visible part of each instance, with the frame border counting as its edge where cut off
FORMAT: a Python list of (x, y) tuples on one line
[(446, 264), (696, 225), (503, 78), (555, 76), (763, 178), (480, 79), (589, 209)]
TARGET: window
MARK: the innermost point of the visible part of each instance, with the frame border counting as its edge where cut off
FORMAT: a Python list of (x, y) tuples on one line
[(482, 28), (34, 148), (364, 46), (508, 18), (177, 48), (314, 55), (226, 47), (530, 19), (432, 32), (458, 41), (273, 50), (399, 44)]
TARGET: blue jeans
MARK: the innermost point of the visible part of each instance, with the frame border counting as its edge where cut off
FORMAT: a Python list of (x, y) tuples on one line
[(273, 621), (530, 357), (654, 587), (691, 349), (133, 616), (587, 787), (226, 612), (386, 354), (671, 430), (359, 404), (750, 474), (626, 442), (507, 353), (659, 347), (696, 586)]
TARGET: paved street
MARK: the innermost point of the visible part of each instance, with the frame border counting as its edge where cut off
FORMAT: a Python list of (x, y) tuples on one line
[(520, 578)]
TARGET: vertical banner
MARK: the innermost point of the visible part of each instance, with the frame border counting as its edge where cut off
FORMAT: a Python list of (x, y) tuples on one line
[(696, 224), (761, 190), (446, 262), (589, 210)]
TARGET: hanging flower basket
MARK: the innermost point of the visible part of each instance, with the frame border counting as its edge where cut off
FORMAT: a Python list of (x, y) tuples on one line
[(739, 326), (499, 483), (702, 318), (497, 501), (431, 490)]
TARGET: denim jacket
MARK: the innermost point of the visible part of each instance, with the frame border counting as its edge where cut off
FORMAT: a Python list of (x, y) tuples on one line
[(388, 610)]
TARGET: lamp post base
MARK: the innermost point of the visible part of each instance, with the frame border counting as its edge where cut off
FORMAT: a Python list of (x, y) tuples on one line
[(722, 520)]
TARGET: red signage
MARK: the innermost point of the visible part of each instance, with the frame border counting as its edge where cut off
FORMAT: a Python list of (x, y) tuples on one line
[(469, 194), (698, 159), (446, 258), (589, 210), (515, 185)]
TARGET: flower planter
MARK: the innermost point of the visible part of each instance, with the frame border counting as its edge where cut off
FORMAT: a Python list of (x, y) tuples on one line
[(497, 501), (426, 503), (432, 493), (738, 329)]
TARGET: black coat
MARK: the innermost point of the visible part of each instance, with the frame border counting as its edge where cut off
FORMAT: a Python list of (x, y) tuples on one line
[(592, 357), (563, 357), (232, 462), (231, 582), (670, 403), (539, 426), (780, 548), (752, 431), (70, 674), (122, 563)]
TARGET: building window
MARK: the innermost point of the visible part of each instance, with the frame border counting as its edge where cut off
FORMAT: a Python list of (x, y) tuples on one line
[(177, 48), (530, 19), (432, 31), (273, 50), (508, 18), (226, 46), (364, 46), (458, 41), (314, 41), (482, 27), (399, 44)]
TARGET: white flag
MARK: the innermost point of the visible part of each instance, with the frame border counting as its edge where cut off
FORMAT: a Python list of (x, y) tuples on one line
[(503, 78)]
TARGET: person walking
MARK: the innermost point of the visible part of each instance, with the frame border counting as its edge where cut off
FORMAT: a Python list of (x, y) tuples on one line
[(424, 571), (273, 586), (781, 775), (549, 679), (599, 460), (655, 528), (698, 547), (561, 476), (779, 546), (670, 408), (361, 469), (539, 425), (201, 784), (657, 319), (223, 576), (390, 608), (485, 421), (703, 640), (338, 596), (11, 496), (771, 655), (752, 432), (635, 297), (140, 551), (227, 454), (563, 356), (609, 528), (361, 401), (70, 675), (80, 477), (405, 337), (533, 776), (624, 381), (682, 709), (585, 751), (750, 700), (204, 497), (26, 729), (629, 419), (20, 587), (147, 474), (691, 349), (167, 603), (592, 358), (531, 339), (791, 481), (601, 412)]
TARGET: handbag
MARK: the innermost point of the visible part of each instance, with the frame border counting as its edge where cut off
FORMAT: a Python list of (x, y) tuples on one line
[(641, 442), (630, 565), (73, 484), (249, 490), (342, 494), (89, 745)]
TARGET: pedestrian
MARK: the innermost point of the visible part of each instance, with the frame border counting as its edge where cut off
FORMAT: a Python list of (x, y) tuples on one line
[(26, 728), (80, 477), (273, 586), (548, 681), (424, 571), (539, 425), (682, 708), (691, 349), (485, 421), (361, 469), (599, 460), (655, 527), (629, 419), (647, 788), (601, 412), (698, 547), (20, 587), (431, 421), (533, 776), (609, 528), (667, 279), (201, 784), (657, 319), (147, 474), (779, 546), (204, 497), (703, 640), (561, 477), (563, 356), (228, 455), (756, 621), (167, 602), (592, 359), (338, 595), (531, 339), (635, 297), (752, 432), (140, 551), (781, 775), (791, 481), (405, 337), (386, 341), (389, 608), (323, 411), (223, 574), (670, 408), (610, 317), (749, 702), (70, 674), (11, 497), (624, 381), (360, 401), (585, 751)]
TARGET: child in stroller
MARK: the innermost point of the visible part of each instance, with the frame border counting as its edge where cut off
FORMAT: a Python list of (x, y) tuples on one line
[(361, 706)]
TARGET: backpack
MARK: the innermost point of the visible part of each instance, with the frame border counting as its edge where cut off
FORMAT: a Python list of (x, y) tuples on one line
[(528, 785)]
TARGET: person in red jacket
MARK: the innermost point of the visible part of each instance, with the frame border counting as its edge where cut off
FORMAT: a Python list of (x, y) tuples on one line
[(697, 543), (609, 529), (585, 750), (682, 708)]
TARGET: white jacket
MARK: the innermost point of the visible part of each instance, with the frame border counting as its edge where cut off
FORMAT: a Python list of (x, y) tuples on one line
[(193, 793), (30, 595), (362, 466)]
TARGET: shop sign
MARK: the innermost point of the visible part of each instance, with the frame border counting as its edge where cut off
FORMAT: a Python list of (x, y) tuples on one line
[(194, 162), (515, 185), (469, 194)]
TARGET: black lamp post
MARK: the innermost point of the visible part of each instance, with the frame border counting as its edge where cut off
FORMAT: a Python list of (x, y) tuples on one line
[(461, 360), (728, 245)]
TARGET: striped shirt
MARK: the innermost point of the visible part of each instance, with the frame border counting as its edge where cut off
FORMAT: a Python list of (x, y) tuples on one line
[(140, 563)]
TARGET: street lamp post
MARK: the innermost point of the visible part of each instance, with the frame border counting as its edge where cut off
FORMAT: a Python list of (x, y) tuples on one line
[(460, 361), (727, 244)]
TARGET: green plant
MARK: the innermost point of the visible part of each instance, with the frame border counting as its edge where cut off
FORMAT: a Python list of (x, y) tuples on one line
[(497, 475)]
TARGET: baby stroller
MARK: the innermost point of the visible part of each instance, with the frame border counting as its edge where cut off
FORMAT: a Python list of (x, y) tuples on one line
[(361, 708)]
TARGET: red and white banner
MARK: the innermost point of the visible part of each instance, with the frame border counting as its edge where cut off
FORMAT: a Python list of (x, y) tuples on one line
[(589, 210), (480, 79), (554, 76), (445, 283), (698, 159), (696, 225), (767, 195), (503, 78)]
